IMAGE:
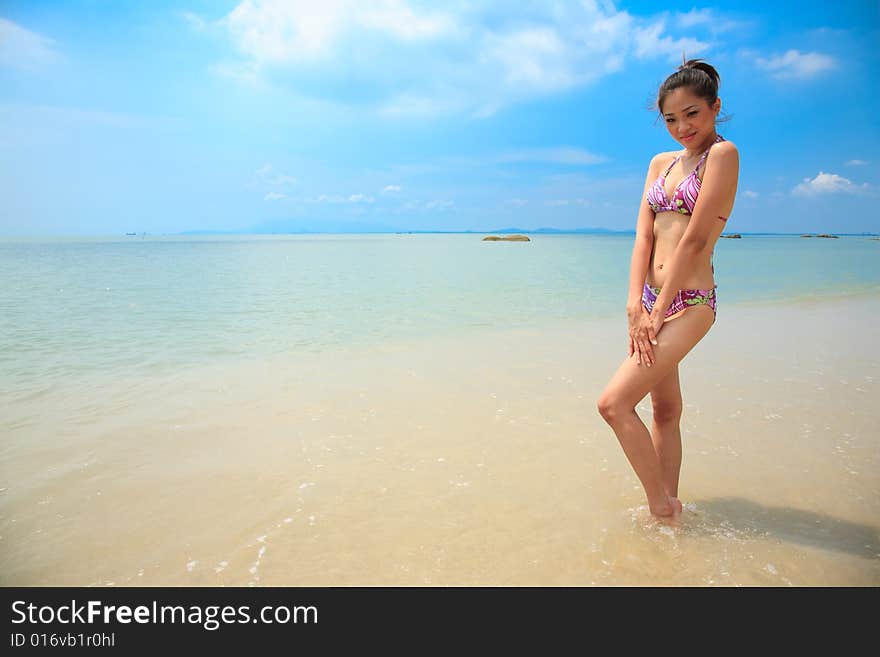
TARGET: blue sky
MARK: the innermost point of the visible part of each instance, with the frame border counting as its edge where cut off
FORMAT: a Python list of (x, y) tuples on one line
[(164, 117)]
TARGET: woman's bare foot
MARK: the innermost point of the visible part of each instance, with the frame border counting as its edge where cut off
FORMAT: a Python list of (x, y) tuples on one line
[(671, 510)]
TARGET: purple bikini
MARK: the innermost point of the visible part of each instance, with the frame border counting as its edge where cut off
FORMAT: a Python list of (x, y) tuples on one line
[(684, 198)]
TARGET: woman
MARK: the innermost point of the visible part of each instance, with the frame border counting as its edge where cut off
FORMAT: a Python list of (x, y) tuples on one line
[(687, 198)]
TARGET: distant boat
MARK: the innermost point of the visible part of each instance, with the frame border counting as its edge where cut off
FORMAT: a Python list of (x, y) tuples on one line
[(131, 233)]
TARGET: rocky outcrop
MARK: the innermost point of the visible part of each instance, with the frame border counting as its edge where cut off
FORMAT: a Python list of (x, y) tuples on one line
[(507, 238)]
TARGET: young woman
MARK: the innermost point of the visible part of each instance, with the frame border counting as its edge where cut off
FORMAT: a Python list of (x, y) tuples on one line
[(687, 198)]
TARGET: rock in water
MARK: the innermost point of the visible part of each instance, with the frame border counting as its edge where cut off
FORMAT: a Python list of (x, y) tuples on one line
[(508, 238)]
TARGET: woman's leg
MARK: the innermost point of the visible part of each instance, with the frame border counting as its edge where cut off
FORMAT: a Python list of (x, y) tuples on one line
[(632, 382), (666, 428)]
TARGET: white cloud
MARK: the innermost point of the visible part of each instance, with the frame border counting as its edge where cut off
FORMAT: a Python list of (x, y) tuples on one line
[(516, 202), (408, 105), (389, 189), (273, 196), (707, 18), (23, 49), (650, 43), (292, 31), (750, 194), (856, 163), (268, 176), (360, 198), (439, 205), (694, 17), (826, 183), (573, 156), (407, 58), (195, 21), (397, 19), (796, 65)]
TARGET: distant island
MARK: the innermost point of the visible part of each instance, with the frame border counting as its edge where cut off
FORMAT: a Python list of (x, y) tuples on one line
[(509, 238)]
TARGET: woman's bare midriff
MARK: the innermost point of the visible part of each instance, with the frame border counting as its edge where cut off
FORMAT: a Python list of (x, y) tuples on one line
[(668, 230)]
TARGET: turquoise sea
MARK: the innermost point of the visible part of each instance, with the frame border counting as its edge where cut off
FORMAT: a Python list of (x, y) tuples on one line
[(101, 305), (421, 409)]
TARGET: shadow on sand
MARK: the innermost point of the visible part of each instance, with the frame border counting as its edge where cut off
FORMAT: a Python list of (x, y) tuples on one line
[(787, 524)]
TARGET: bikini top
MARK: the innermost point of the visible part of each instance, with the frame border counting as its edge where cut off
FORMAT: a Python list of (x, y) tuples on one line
[(684, 196)]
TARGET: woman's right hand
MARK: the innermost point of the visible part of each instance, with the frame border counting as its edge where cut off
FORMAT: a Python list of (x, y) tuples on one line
[(641, 336)]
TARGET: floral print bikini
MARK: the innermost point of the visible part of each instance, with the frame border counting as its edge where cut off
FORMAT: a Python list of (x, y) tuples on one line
[(684, 198)]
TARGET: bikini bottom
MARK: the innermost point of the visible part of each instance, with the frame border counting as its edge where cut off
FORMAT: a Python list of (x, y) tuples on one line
[(683, 300)]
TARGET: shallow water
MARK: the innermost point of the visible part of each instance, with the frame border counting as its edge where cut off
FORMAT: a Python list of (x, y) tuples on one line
[(473, 459)]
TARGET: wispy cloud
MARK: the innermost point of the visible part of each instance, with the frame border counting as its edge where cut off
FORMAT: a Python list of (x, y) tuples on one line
[(194, 20), (856, 163), (404, 58), (564, 202), (274, 196), (750, 194), (267, 175), (650, 42), (391, 189), (826, 183), (439, 204), (794, 64), (573, 156), (292, 31), (25, 50)]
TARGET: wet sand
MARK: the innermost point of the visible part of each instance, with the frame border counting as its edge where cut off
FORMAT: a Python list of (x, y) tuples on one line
[(478, 460)]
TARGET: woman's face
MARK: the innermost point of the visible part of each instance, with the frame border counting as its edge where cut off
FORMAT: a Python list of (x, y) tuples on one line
[(689, 119)]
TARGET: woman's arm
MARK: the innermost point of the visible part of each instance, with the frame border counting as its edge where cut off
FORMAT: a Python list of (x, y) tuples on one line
[(715, 200), (644, 243)]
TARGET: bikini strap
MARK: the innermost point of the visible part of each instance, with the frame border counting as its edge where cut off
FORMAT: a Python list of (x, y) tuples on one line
[(669, 168), (706, 154)]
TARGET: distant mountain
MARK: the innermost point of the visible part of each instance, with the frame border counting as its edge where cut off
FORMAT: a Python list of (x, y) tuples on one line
[(287, 227)]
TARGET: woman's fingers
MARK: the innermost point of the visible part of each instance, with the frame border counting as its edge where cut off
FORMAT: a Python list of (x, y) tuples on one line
[(647, 353)]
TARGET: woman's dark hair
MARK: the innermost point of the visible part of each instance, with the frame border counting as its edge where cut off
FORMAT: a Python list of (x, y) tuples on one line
[(695, 74)]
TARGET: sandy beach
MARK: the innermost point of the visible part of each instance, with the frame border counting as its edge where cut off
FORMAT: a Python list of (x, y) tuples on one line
[(479, 460)]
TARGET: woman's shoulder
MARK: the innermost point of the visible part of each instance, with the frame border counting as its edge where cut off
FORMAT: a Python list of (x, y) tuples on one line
[(662, 160), (665, 155), (725, 147), (724, 153)]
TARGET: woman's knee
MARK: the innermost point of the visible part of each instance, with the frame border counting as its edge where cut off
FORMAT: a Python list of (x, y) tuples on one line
[(667, 412), (610, 407)]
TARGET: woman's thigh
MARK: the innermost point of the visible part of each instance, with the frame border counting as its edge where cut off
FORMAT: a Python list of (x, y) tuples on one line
[(633, 380), (666, 396)]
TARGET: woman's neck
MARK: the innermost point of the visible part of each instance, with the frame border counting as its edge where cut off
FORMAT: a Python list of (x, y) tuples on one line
[(702, 148)]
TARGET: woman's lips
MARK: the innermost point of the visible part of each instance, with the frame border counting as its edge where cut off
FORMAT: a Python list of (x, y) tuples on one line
[(688, 137)]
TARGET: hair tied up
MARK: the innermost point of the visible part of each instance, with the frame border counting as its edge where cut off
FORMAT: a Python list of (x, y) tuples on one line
[(695, 74)]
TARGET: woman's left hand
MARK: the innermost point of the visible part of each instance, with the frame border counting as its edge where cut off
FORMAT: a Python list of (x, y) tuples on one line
[(656, 324)]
